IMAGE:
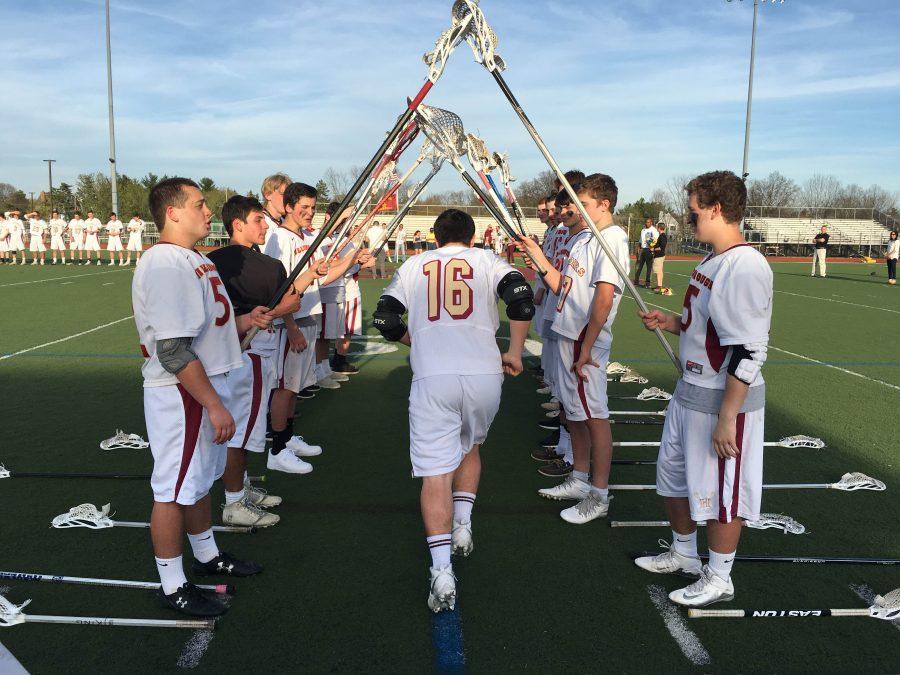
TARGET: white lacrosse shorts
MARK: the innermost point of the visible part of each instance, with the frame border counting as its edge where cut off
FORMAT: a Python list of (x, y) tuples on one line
[(581, 400), (448, 414), (91, 243), (36, 245), (548, 362), (114, 244), (57, 243), (688, 466), (76, 243), (341, 319), (249, 392), (185, 458), (296, 371), (134, 242)]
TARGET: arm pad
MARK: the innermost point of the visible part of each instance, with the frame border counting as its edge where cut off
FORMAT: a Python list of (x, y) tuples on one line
[(518, 296), (175, 353), (388, 318), (747, 360)]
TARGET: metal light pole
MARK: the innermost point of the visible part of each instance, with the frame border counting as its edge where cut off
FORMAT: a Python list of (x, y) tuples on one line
[(112, 127), (50, 176)]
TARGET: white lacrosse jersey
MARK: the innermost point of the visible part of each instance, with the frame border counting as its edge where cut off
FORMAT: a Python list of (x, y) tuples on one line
[(336, 291), (136, 226), (92, 226), (558, 254), (76, 228), (288, 247), (586, 266), (37, 227), (374, 236), (57, 227), (400, 234), (15, 227), (114, 227), (177, 292), (4, 229), (728, 302), (648, 235), (451, 298)]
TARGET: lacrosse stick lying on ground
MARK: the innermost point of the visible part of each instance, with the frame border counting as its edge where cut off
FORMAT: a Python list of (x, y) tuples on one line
[(651, 394), (11, 615), (628, 378), (616, 368), (766, 521), (87, 515), (221, 589), (6, 473), (849, 482), (885, 607), (786, 442), (122, 440)]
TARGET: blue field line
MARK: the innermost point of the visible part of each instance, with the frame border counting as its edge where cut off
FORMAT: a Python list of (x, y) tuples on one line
[(447, 642)]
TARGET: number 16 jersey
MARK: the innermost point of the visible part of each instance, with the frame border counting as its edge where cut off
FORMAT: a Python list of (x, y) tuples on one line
[(451, 297)]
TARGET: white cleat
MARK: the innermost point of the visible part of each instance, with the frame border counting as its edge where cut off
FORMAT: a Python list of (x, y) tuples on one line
[(443, 589), (543, 391), (328, 383), (461, 539), (338, 377), (669, 562), (245, 514), (570, 488), (301, 448), (588, 509), (708, 589), (261, 498), (286, 461), (552, 404)]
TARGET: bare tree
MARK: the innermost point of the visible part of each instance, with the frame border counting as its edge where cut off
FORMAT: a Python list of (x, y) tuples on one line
[(820, 190), (533, 190), (773, 190), (673, 195)]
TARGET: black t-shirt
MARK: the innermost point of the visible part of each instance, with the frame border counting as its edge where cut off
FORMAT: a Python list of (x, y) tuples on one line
[(822, 240), (661, 241), (251, 278)]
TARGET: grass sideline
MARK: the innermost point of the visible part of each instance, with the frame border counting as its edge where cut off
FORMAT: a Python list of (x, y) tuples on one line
[(346, 569)]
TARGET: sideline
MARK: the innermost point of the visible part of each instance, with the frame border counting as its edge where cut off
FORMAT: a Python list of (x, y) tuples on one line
[(74, 276), (687, 640), (68, 337)]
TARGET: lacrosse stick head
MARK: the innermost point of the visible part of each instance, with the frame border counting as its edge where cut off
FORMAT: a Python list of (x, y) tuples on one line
[(654, 394), (123, 440), (479, 156), (633, 378), (887, 606), (383, 179), (4, 472), (777, 521), (501, 161), (10, 613), (616, 368), (802, 442), (480, 36), (445, 131), (84, 515), (859, 481)]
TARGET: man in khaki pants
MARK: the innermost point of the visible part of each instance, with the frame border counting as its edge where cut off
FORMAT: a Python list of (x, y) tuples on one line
[(821, 242)]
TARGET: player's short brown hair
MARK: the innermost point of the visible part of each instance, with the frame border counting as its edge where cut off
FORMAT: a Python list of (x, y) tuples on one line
[(273, 182), (723, 188), (168, 193), (238, 208), (297, 191), (454, 227), (599, 186), (573, 176)]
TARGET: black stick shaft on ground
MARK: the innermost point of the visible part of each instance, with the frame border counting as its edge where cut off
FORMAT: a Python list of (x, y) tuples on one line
[(800, 560)]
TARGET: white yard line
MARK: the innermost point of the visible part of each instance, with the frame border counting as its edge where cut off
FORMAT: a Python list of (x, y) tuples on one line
[(68, 337), (808, 358), (194, 649), (74, 276), (867, 595), (687, 640)]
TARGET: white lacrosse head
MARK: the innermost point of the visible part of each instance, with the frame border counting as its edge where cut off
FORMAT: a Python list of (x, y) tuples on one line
[(887, 606), (633, 378), (777, 521), (616, 368), (383, 179), (10, 613), (84, 515), (802, 442), (654, 394), (122, 440), (445, 131), (4, 472), (501, 160), (858, 481), (480, 36), (479, 156)]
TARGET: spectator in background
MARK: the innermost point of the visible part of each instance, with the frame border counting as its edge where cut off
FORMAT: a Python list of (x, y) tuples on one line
[(487, 238), (893, 252), (511, 252), (430, 240), (645, 254), (374, 237), (417, 242), (400, 242), (659, 258), (820, 252)]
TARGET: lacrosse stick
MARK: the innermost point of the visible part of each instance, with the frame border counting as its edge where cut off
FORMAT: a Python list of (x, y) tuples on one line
[(766, 521), (797, 560), (849, 482), (651, 394), (639, 422), (502, 162), (885, 607), (436, 60), (221, 589), (6, 473), (122, 440), (445, 130), (629, 378), (482, 160), (616, 368), (87, 515), (639, 413), (787, 442), (483, 41), (11, 615)]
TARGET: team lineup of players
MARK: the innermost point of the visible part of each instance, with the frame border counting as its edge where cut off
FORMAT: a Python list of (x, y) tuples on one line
[(206, 400), (79, 237)]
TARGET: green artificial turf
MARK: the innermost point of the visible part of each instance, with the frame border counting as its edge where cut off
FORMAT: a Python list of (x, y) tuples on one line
[(346, 569)]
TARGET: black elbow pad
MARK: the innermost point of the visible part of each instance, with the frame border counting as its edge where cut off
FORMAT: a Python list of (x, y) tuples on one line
[(518, 296), (388, 318)]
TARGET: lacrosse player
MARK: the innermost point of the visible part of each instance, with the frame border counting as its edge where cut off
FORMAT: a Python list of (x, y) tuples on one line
[(711, 456), (76, 237), (114, 239), (589, 289), (272, 191), (135, 231), (251, 279), (451, 296), (16, 231), (4, 238), (92, 229), (57, 245), (37, 226), (189, 337)]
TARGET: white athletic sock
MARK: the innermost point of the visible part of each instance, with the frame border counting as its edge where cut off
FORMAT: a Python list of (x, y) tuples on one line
[(246, 480), (233, 497), (580, 475), (564, 447), (685, 544), (603, 492), (204, 545), (439, 545), (721, 563), (171, 574), (462, 506), (318, 371)]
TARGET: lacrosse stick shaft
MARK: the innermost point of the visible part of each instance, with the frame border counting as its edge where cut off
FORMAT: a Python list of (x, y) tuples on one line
[(494, 194), (401, 214), (773, 613), (634, 462), (401, 124), (39, 474), (813, 560), (216, 528), (202, 624), (663, 523), (651, 423), (769, 486), (538, 141), (638, 413), (87, 581), (655, 444)]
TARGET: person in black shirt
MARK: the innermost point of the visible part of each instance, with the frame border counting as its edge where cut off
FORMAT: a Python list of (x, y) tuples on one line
[(659, 258), (821, 242), (251, 280)]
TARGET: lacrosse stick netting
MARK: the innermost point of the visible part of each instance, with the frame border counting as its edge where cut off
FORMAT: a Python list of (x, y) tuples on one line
[(482, 160)]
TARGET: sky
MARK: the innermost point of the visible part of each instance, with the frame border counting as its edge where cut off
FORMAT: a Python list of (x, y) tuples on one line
[(641, 89)]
